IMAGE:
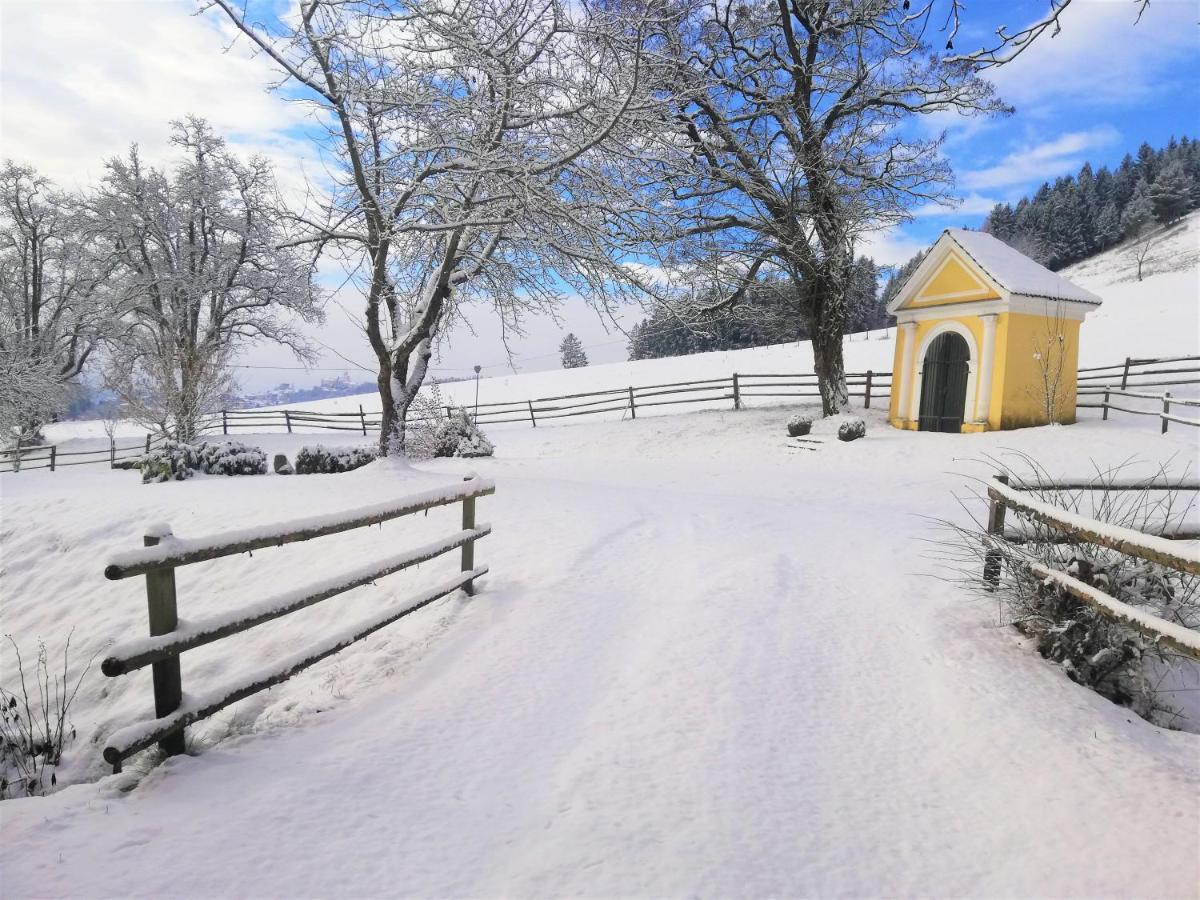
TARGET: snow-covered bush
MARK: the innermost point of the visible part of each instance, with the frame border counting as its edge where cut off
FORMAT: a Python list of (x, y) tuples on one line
[(321, 460), (852, 429), (171, 461), (177, 461), (433, 433), (1112, 659), (458, 436), (231, 458), (798, 426)]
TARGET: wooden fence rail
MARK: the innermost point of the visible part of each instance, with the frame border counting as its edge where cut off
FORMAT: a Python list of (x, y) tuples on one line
[(1165, 400), (162, 553), (1165, 550)]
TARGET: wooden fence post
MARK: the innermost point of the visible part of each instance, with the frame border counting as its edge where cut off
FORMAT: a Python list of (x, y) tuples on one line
[(468, 549), (147, 442), (287, 419), (995, 526), (363, 416), (225, 421), (112, 453), (1125, 374), (867, 392), (164, 618), (449, 411), (54, 452), (632, 405), (1166, 411), (531, 416), (1104, 415), (737, 393), (16, 462)]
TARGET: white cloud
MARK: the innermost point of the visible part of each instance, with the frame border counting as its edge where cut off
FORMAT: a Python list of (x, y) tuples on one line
[(971, 205), (889, 246), (80, 81), (1043, 160), (1102, 59)]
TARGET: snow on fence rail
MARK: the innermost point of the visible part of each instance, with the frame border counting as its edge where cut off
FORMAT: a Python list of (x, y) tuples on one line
[(1161, 549), (163, 553)]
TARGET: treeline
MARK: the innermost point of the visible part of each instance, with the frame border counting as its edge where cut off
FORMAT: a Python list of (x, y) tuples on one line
[(1078, 216), (771, 312)]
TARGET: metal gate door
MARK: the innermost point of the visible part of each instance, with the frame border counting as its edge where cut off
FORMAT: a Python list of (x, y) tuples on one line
[(944, 384)]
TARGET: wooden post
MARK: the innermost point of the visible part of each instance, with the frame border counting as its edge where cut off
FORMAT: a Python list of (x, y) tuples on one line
[(737, 392), (287, 419), (1166, 411), (164, 618), (1125, 374), (147, 442), (225, 421), (363, 416), (16, 462), (468, 549), (531, 416), (112, 453), (632, 405), (449, 411), (1104, 416), (54, 450), (995, 526), (867, 392)]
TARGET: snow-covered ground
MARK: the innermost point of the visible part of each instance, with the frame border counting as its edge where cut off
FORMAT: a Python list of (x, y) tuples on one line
[(706, 662)]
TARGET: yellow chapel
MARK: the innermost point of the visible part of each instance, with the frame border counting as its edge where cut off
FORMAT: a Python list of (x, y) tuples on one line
[(987, 339)]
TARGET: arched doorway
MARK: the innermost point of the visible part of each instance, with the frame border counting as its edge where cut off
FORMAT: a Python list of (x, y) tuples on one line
[(944, 383)]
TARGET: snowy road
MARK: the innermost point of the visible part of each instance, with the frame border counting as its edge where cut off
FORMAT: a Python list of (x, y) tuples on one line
[(692, 672)]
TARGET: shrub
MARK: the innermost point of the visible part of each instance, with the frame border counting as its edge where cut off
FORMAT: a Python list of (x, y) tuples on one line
[(798, 426), (172, 461), (1093, 650), (34, 729), (176, 461), (320, 460), (458, 436), (231, 458), (852, 429)]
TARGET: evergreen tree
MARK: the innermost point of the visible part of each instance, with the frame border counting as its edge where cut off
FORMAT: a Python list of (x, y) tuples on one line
[(1171, 193), (573, 356), (1138, 216), (1108, 227)]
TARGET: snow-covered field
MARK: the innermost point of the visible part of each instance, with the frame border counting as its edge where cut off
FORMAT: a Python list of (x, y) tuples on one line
[(705, 662)]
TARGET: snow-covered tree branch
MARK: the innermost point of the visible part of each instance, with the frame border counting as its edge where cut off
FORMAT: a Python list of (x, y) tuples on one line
[(463, 135), (204, 267)]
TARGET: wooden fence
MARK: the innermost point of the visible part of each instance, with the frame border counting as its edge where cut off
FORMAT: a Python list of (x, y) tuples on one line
[(1097, 387), (49, 456), (1164, 549), (163, 553), (733, 390)]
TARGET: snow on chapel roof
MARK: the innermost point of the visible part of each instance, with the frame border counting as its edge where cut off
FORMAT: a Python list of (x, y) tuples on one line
[(1016, 272)]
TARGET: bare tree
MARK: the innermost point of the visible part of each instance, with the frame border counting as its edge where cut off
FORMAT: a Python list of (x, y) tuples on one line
[(462, 133), (54, 303), (787, 145), (204, 271)]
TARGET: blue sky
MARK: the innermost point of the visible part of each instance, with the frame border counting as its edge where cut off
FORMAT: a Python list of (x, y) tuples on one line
[(81, 79)]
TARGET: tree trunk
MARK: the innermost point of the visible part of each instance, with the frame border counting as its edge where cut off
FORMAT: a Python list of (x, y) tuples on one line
[(830, 367), (388, 434)]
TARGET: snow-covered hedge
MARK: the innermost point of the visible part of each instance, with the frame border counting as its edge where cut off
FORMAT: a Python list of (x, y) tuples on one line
[(177, 461), (457, 435), (321, 460)]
